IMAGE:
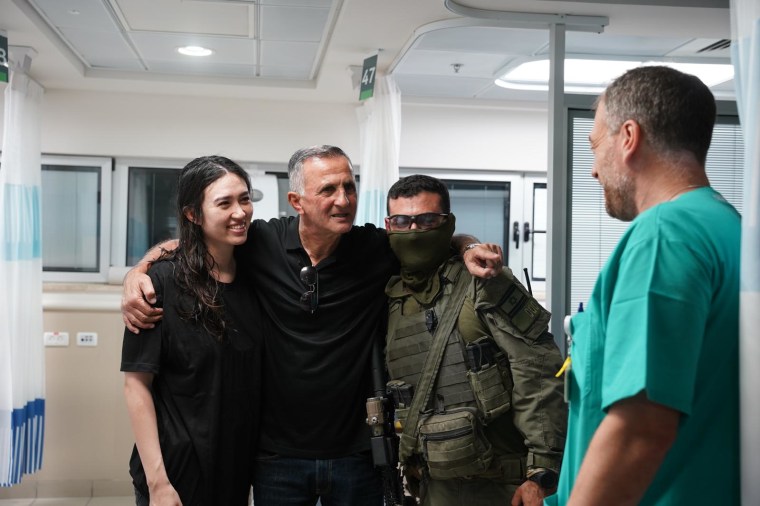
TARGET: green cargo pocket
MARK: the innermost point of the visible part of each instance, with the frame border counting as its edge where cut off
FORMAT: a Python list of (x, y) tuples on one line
[(453, 445)]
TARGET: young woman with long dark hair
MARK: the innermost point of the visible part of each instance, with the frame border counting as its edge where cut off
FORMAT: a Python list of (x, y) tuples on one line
[(192, 382)]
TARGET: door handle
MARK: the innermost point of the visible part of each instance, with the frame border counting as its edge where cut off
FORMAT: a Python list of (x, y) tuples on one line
[(526, 232), (516, 234)]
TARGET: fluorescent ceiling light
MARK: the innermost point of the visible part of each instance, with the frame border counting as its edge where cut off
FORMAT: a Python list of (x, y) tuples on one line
[(194, 51), (593, 76)]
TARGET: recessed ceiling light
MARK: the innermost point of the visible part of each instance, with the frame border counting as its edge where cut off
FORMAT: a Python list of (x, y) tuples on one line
[(194, 51), (593, 76)]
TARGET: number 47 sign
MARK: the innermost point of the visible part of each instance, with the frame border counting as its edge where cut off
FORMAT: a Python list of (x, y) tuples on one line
[(368, 78), (3, 59)]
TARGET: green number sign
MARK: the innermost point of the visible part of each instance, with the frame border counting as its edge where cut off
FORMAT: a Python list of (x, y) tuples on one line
[(368, 78), (3, 59)]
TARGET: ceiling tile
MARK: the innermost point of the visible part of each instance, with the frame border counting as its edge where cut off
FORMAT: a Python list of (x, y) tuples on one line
[(674, 3), (421, 62), (217, 18), (205, 69), (305, 24), (76, 13), (102, 48), (484, 40), (432, 86), (594, 43), (301, 3), (163, 46), (288, 54)]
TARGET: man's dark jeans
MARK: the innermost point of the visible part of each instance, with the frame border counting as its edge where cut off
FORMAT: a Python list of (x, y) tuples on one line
[(346, 481)]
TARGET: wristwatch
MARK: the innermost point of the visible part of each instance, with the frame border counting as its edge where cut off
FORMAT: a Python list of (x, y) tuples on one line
[(545, 478)]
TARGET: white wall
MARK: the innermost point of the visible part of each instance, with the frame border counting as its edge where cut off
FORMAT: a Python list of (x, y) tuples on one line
[(116, 124), (497, 137)]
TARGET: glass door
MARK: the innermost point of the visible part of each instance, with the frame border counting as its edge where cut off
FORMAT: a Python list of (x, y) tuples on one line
[(532, 231), (510, 210)]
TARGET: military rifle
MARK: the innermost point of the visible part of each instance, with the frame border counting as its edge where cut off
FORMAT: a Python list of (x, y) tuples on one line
[(384, 440)]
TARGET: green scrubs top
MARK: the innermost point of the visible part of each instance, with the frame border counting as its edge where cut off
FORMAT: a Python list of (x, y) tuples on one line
[(664, 319)]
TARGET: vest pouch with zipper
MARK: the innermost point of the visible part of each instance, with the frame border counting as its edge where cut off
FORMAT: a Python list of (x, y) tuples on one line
[(453, 444)]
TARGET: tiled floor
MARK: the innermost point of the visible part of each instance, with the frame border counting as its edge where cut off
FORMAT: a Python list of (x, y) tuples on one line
[(71, 501)]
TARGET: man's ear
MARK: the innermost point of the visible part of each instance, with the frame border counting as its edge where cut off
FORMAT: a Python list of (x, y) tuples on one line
[(630, 139), (387, 223), (295, 202)]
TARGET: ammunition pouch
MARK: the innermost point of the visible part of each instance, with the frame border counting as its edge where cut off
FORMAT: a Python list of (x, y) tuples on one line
[(491, 382), (453, 444)]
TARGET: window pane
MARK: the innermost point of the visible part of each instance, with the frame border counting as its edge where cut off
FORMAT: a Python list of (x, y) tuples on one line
[(725, 160), (71, 215), (482, 210), (151, 216), (540, 220)]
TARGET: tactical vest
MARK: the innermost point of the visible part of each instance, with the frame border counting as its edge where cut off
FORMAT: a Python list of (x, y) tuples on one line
[(473, 385), (411, 338), (451, 440), (468, 375)]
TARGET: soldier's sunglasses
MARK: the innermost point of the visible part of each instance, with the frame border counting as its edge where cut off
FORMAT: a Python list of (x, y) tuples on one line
[(424, 221)]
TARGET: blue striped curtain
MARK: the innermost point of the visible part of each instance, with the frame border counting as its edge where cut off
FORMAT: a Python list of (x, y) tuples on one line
[(22, 359), (380, 131), (745, 55)]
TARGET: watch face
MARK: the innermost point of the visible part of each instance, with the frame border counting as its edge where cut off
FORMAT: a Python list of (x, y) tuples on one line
[(545, 479)]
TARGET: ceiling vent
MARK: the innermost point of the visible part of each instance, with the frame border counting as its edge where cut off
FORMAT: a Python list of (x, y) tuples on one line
[(716, 46), (703, 48)]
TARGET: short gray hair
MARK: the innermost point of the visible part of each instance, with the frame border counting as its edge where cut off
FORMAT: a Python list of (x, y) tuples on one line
[(676, 111), (295, 165)]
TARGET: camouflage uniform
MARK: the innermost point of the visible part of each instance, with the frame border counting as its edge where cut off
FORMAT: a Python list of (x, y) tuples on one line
[(529, 427)]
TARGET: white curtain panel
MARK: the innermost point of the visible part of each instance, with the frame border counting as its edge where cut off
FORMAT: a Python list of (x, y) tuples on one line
[(380, 135), (745, 55), (22, 358)]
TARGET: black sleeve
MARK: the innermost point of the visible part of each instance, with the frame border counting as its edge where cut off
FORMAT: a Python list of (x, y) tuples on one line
[(142, 352)]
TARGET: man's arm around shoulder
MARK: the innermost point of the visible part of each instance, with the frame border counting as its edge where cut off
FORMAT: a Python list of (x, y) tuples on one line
[(138, 293)]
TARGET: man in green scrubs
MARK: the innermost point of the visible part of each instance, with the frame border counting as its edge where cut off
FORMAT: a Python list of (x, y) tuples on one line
[(653, 383)]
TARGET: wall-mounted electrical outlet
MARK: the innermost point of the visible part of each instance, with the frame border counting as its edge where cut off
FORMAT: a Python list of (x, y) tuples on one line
[(56, 338), (87, 338)]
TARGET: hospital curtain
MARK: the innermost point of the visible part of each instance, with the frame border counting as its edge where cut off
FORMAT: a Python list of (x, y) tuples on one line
[(745, 55), (380, 134), (22, 359)]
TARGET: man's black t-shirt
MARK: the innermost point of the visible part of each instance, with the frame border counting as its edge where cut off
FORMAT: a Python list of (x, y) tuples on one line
[(317, 366), (206, 393)]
